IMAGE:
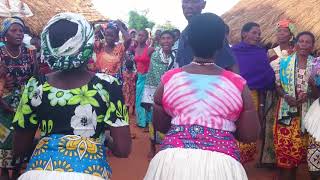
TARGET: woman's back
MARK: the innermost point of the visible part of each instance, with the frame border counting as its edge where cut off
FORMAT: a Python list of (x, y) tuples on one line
[(213, 101), (83, 108), (204, 109), (72, 123)]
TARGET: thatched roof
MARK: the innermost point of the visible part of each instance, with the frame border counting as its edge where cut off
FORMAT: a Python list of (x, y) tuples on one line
[(267, 13), (43, 10)]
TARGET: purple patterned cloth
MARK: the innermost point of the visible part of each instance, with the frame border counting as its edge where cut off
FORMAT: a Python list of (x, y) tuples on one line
[(315, 73), (200, 137)]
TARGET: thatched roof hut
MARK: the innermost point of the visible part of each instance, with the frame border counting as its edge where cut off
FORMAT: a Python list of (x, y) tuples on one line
[(43, 10), (268, 12)]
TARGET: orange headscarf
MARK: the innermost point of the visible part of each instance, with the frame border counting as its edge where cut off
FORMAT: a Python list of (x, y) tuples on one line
[(286, 23)]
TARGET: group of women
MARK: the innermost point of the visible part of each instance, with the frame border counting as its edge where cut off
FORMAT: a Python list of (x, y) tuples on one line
[(72, 107), (282, 84), (88, 93), (207, 119)]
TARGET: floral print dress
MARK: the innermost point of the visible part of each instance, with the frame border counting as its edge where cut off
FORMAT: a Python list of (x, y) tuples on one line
[(20, 69), (72, 124)]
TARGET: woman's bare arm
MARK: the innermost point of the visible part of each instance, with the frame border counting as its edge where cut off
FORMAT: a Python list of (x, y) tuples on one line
[(248, 126), (161, 120)]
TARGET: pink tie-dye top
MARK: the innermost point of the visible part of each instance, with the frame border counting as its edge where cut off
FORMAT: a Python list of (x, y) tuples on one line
[(212, 101)]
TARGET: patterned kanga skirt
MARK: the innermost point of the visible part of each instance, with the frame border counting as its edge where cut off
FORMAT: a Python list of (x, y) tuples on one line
[(290, 144), (313, 155), (6, 137), (68, 157)]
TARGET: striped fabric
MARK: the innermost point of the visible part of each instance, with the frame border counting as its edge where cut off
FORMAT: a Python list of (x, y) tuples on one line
[(212, 101)]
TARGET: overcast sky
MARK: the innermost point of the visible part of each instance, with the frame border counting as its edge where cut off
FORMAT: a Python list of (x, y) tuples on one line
[(160, 11)]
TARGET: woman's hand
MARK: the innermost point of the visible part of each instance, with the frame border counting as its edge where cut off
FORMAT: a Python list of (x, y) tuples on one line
[(291, 100), (120, 24), (303, 97), (312, 82), (6, 107), (315, 93)]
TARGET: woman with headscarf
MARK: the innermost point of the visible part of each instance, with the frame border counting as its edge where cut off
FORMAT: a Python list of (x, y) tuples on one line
[(202, 108), (72, 107), (142, 59), (110, 53), (255, 69), (294, 101), (19, 62), (162, 60), (284, 34)]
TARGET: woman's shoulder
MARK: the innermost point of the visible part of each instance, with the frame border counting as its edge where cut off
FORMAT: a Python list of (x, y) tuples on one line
[(169, 74), (155, 55), (236, 79)]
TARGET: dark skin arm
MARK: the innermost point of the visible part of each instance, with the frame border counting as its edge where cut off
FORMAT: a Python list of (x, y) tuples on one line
[(121, 145), (290, 100), (150, 51), (315, 93), (124, 32), (22, 143), (6, 106), (248, 126), (161, 120)]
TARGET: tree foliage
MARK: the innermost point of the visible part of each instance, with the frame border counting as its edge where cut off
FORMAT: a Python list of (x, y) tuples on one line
[(139, 21), (167, 26)]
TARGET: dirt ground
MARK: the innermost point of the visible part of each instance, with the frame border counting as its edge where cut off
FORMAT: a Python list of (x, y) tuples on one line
[(135, 167)]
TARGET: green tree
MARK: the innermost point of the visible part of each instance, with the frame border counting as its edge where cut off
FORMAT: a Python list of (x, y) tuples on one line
[(167, 26), (139, 21)]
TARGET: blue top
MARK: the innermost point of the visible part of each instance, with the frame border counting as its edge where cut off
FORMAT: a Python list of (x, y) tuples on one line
[(224, 57)]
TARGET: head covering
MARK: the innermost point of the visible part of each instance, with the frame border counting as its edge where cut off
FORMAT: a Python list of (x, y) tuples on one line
[(286, 23), (254, 66), (132, 30), (7, 23), (110, 25), (75, 51)]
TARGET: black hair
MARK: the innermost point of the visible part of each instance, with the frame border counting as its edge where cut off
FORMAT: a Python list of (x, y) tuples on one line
[(27, 30), (206, 33), (167, 32), (129, 64), (306, 33), (145, 31), (227, 29), (248, 26), (61, 31), (176, 31)]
